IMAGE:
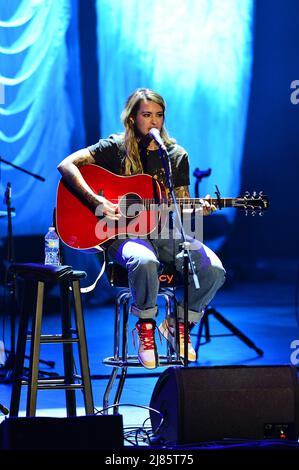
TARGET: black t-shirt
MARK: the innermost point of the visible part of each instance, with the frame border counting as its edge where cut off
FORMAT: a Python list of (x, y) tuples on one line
[(110, 154)]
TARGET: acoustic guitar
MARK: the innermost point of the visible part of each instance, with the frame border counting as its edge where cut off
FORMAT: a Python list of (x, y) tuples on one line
[(141, 202)]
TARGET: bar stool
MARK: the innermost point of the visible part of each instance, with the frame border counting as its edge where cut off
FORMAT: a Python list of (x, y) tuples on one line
[(68, 280), (121, 359)]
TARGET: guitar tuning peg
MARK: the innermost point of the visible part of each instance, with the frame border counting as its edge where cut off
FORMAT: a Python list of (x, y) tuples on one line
[(253, 213), (254, 194), (246, 212), (261, 193), (261, 213), (247, 194)]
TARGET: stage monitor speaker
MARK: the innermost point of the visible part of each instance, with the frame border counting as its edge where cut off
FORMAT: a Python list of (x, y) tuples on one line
[(214, 403), (101, 432)]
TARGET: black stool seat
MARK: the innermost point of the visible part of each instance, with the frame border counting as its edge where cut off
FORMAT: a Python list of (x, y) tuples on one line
[(35, 276), (45, 272)]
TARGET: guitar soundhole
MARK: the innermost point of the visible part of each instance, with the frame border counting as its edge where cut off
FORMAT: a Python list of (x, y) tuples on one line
[(131, 205)]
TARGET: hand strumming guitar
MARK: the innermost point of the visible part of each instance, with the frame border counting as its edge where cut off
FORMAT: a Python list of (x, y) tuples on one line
[(107, 208)]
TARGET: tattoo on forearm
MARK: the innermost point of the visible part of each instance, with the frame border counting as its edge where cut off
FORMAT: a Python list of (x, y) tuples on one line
[(182, 192), (83, 160)]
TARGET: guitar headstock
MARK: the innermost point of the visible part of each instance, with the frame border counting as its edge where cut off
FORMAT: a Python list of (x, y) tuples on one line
[(255, 203)]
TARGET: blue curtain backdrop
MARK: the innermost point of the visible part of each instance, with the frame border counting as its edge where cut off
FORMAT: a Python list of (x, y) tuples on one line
[(198, 55), (40, 118)]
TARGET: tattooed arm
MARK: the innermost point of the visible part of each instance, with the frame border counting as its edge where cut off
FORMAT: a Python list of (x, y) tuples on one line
[(182, 191), (69, 169)]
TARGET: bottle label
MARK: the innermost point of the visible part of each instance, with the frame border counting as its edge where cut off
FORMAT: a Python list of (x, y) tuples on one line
[(52, 243)]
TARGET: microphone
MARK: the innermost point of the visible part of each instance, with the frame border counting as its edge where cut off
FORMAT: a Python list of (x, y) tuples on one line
[(155, 134)]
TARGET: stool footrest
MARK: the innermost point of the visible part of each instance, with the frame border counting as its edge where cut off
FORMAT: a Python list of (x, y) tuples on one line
[(54, 339), (60, 387), (132, 361), (57, 384)]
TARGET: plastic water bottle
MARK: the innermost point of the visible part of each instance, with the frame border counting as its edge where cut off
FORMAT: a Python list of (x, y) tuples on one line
[(52, 247)]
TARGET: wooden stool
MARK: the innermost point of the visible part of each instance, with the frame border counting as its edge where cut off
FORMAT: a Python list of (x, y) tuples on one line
[(67, 279), (121, 359)]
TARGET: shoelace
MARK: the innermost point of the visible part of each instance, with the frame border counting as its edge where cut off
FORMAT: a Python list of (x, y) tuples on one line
[(146, 337), (182, 332)]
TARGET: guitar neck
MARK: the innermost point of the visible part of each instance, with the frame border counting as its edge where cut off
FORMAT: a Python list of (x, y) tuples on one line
[(217, 202), (193, 202)]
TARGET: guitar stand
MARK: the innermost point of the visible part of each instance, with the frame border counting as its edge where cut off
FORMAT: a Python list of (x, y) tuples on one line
[(234, 331)]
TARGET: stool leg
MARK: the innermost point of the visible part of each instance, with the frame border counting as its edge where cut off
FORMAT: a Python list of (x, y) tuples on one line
[(121, 298), (109, 388), (125, 328), (167, 300), (35, 351), (68, 356), (83, 355), (169, 297), (19, 361), (121, 382), (177, 328), (119, 389)]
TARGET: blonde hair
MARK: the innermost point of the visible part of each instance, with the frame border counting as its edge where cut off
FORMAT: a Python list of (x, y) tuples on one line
[(133, 163)]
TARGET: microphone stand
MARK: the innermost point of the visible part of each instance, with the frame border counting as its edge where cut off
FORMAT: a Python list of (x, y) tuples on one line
[(12, 284), (185, 246), (38, 177)]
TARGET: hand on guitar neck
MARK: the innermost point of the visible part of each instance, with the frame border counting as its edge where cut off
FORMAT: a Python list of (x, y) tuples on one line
[(207, 206)]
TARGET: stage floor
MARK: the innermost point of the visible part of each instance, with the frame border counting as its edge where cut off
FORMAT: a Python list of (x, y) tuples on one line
[(264, 311)]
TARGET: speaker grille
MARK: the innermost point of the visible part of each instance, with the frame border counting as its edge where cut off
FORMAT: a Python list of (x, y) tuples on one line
[(215, 403)]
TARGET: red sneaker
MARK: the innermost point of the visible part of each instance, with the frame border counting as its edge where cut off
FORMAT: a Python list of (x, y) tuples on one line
[(147, 350), (168, 331)]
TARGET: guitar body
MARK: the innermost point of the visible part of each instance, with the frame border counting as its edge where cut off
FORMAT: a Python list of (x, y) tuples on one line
[(79, 227)]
